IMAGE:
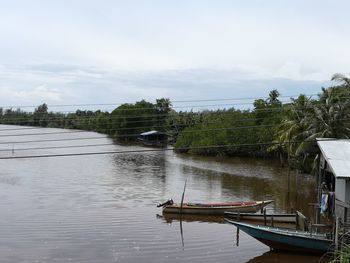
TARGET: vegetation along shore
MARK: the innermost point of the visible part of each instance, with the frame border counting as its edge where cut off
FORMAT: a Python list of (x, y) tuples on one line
[(271, 129)]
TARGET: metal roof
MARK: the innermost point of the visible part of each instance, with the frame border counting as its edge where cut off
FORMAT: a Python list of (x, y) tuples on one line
[(337, 155), (151, 133)]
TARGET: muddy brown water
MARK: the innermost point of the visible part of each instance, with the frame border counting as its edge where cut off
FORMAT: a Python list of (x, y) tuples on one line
[(102, 208)]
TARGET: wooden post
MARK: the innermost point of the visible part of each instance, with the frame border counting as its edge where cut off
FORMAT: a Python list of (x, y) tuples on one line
[(336, 236), (310, 228), (182, 198), (297, 220), (265, 216), (272, 223)]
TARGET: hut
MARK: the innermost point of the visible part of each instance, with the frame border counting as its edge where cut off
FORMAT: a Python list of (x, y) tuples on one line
[(153, 138), (334, 179)]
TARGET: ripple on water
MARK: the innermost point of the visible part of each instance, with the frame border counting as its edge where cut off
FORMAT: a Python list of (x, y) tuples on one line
[(102, 208)]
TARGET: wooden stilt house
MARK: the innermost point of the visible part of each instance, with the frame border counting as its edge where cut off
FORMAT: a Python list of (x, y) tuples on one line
[(153, 138), (334, 178)]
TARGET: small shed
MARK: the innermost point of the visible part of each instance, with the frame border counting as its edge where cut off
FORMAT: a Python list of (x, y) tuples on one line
[(154, 138), (334, 176)]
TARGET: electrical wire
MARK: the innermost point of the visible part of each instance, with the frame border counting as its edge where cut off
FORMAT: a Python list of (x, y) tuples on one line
[(55, 140), (56, 147), (136, 135), (152, 150), (175, 101), (42, 133), (116, 130), (18, 120)]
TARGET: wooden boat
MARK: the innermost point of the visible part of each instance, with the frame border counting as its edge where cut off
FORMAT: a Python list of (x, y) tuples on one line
[(215, 208), (286, 239), (172, 217), (276, 217)]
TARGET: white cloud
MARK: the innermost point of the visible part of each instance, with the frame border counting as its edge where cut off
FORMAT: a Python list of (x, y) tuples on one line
[(167, 37), (79, 51), (40, 93), (28, 96)]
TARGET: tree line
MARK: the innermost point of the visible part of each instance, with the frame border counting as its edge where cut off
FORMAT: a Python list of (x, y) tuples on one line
[(273, 129)]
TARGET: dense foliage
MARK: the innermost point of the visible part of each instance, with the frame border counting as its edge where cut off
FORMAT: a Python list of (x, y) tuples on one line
[(271, 129)]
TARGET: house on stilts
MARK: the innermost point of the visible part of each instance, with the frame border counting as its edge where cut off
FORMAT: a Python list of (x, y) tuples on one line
[(153, 138), (334, 181)]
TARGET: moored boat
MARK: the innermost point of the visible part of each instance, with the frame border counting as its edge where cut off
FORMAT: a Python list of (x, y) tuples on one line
[(275, 217), (214, 208), (172, 217), (286, 239)]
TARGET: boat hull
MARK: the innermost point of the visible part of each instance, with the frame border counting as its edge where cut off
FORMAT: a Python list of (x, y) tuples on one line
[(280, 218), (286, 240), (198, 209)]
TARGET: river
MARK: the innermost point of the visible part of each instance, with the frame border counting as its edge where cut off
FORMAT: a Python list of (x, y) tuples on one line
[(102, 208)]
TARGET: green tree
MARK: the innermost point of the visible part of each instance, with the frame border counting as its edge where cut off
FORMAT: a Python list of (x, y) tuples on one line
[(342, 79), (40, 116), (129, 120), (163, 107), (290, 137), (330, 115)]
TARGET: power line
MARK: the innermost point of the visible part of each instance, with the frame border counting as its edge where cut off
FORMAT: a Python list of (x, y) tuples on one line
[(154, 126), (244, 98), (136, 135), (56, 147), (24, 128), (179, 107), (66, 118), (55, 140), (110, 129), (195, 133), (175, 101), (42, 133), (138, 121), (154, 107), (152, 150)]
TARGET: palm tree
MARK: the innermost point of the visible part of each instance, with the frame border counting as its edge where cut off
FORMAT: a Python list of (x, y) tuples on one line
[(343, 79), (273, 97), (290, 135), (330, 116), (163, 107)]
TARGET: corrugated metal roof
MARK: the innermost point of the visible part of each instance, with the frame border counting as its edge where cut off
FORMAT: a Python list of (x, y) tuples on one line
[(337, 155), (150, 133)]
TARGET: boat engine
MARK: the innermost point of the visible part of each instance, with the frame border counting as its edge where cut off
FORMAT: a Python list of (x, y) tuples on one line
[(168, 202)]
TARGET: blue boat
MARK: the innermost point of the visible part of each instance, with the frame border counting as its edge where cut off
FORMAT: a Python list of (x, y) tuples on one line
[(287, 239)]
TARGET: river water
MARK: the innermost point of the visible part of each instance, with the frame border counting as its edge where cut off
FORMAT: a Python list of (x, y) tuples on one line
[(102, 208)]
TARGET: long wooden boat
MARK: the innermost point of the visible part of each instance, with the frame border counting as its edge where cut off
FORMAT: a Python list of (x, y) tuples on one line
[(284, 239), (172, 217), (276, 217), (215, 208)]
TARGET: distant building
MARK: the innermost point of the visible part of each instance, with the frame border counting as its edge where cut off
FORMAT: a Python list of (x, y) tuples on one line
[(153, 138)]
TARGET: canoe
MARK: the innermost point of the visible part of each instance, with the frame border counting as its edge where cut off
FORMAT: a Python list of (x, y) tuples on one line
[(215, 208), (276, 217), (286, 239)]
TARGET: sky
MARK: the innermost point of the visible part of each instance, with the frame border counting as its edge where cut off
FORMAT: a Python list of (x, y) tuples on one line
[(110, 52)]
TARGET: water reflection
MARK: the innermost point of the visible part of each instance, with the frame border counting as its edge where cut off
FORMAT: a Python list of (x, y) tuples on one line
[(170, 218), (274, 257), (241, 179), (103, 208)]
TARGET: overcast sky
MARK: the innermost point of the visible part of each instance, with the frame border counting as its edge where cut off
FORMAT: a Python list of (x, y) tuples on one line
[(109, 51)]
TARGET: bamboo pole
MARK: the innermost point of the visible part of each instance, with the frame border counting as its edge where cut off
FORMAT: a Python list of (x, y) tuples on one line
[(182, 198)]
